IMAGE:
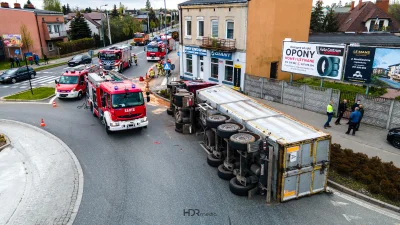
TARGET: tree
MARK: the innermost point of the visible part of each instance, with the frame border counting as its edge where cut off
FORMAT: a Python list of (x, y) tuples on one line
[(27, 3), (88, 10), (114, 12), (64, 10), (148, 5), (394, 10), (26, 36), (79, 27), (121, 9), (331, 23), (68, 9), (317, 17), (52, 5)]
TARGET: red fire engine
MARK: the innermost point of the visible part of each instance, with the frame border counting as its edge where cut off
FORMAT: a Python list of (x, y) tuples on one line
[(155, 51), (116, 101), (115, 58), (170, 42)]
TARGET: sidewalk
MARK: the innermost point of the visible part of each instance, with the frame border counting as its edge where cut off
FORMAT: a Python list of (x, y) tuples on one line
[(368, 140), (41, 181), (160, 83)]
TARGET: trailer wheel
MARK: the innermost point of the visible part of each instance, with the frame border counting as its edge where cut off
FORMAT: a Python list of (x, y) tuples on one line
[(214, 121), (239, 141), (227, 130), (179, 127), (214, 162), (238, 189), (209, 139), (223, 173), (169, 111)]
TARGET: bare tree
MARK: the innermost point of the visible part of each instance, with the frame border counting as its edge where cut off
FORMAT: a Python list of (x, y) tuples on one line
[(26, 36)]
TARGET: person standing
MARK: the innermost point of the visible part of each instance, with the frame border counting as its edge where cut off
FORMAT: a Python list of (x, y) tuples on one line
[(362, 114), (353, 121), (17, 61), (342, 109), (12, 62), (46, 60), (329, 112), (355, 105), (36, 58)]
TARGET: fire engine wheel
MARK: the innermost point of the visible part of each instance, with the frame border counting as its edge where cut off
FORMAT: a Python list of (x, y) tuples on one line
[(80, 95), (238, 189), (227, 130), (214, 162), (169, 111), (107, 127), (223, 173), (214, 121), (120, 69), (239, 141)]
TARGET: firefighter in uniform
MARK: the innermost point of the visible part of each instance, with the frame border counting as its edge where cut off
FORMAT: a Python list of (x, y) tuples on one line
[(135, 59), (152, 73), (159, 68)]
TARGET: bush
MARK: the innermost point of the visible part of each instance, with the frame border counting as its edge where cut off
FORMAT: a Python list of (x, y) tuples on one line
[(2, 138), (397, 98), (381, 177), (75, 45), (164, 93)]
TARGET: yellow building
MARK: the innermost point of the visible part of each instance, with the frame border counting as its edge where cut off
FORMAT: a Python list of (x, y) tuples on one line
[(269, 23)]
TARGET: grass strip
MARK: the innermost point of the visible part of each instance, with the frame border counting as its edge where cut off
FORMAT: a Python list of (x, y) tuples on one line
[(38, 93)]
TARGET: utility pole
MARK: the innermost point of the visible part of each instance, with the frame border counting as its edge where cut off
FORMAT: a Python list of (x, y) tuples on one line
[(102, 26), (109, 28), (148, 23), (166, 39)]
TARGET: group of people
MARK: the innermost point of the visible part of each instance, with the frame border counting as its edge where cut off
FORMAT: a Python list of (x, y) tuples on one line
[(357, 113), (15, 61), (160, 69)]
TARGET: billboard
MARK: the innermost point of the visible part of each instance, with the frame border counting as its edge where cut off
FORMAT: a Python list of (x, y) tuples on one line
[(313, 59), (363, 63), (12, 40)]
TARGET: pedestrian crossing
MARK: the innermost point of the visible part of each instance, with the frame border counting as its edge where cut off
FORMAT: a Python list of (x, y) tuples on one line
[(36, 82)]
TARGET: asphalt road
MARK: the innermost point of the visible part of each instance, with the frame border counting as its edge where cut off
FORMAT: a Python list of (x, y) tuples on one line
[(151, 176)]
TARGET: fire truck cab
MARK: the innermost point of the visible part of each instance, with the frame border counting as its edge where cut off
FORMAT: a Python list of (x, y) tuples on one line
[(115, 58), (155, 51), (170, 42), (117, 102), (71, 83)]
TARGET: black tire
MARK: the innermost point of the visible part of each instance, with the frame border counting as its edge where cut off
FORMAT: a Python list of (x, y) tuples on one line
[(214, 121), (179, 127), (108, 131), (239, 141), (185, 120), (209, 138), (396, 142), (226, 130), (120, 68), (214, 162), (13, 80), (238, 189), (224, 174), (80, 95), (32, 76), (169, 111)]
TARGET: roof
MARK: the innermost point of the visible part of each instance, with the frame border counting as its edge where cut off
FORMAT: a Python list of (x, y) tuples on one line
[(92, 15), (87, 17), (355, 19), (256, 117), (121, 86), (210, 2), (37, 11), (376, 39)]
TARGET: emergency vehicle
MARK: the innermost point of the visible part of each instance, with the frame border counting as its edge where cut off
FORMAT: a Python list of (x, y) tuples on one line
[(72, 83), (115, 58), (170, 42), (116, 101), (155, 50)]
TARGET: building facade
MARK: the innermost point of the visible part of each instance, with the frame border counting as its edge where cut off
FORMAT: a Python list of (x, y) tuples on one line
[(45, 27), (213, 41)]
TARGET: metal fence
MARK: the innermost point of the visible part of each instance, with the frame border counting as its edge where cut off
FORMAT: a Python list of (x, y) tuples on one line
[(379, 112)]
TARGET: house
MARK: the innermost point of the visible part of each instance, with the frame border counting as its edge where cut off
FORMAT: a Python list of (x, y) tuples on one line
[(267, 27), (213, 46), (45, 27), (93, 19), (394, 72), (367, 39), (380, 72), (367, 17)]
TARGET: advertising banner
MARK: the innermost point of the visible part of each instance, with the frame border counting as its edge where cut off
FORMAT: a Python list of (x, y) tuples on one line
[(12, 40), (363, 63), (313, 59), (221, 55), (195, 51)]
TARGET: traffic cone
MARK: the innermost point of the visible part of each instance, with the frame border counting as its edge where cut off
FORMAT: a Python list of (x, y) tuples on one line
[(42, 124), (54, 104), (141, 78)]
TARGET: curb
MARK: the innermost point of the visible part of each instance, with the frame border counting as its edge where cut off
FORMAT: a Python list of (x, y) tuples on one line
[(79, 195), (7, 143), (20, 100), (159, 96), (362, 196)]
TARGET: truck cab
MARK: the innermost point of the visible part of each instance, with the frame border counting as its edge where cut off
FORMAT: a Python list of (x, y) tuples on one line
[(71, 84), (140, 38), (155, 51)]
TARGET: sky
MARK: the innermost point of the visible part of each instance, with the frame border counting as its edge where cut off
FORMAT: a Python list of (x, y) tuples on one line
[(386, 57)]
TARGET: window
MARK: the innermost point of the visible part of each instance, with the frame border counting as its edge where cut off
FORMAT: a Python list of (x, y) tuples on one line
[(108, 100), (214, 28), (57, 28), (50, 46), (189, 63), (188, 28), (273, 70), (200, 27), (49, 27), (229, 29), (228, 70), (127, 100), (214, 68)]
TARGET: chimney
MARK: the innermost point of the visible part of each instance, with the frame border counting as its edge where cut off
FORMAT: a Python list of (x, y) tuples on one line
[(4, 5), (352, 5), (17, 5), (383, 5), (359, 4)]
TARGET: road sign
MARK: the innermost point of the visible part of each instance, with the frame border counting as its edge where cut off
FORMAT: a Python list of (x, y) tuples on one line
[(179, 54), (173, 67), (90, 52), (167, 66), (16, 51)]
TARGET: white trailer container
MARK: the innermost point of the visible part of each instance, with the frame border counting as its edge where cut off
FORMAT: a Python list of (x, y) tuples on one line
[(300, 152)]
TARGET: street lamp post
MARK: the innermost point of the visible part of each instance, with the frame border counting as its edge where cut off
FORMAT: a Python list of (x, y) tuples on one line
[(102, 26), (166, 39), (109, 28), (148, 23)]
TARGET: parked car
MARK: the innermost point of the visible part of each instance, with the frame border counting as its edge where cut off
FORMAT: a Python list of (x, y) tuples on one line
[(79, 59), (394, 137), (16, 74)]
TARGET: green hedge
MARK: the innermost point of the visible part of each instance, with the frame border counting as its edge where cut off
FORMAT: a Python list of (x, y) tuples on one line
[(380, 177), (75, 45)]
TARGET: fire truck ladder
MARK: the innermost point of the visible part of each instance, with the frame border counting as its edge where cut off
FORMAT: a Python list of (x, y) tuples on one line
[(117, 76)]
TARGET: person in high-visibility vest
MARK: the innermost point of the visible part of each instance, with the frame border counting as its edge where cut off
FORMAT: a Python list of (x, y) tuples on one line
[(152, 73), (329, 112)]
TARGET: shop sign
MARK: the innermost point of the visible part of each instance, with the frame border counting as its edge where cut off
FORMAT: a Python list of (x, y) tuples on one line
[(221, 55), (195, 51)]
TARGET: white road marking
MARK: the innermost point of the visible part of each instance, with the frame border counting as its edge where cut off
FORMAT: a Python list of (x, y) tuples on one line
[(52, 99), (23, 87), (339, 203), (5, 86), (164, 82), (349, 217), (365, 205), (13, 87)]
